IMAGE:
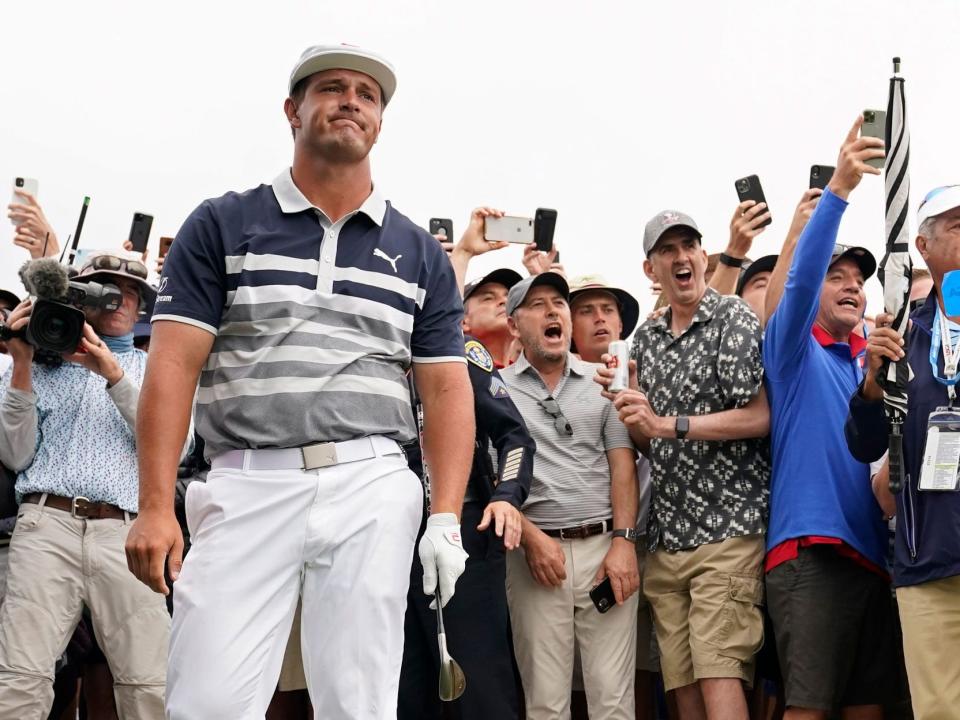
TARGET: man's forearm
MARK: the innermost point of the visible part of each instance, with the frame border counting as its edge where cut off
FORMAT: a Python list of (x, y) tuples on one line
[(750, 421), (449, 433), (163, 418), (18, 429), (460, 261), (624, 490), (724, 279), (778, 278), (126, 396)]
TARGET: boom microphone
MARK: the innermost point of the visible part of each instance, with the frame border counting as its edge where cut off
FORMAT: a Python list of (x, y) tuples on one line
[(46, 279)]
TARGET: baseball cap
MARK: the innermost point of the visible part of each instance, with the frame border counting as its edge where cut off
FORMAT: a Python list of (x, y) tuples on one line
[(503, 276), (9, 298), (629, 307), (938, 201), (518, 293), (347, 57), (861, 256), (102, 265), (763, 264), (663, 221)]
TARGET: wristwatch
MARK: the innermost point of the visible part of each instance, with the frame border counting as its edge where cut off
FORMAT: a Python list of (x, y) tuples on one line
[(629, 534), (730, 261), (682, 427)]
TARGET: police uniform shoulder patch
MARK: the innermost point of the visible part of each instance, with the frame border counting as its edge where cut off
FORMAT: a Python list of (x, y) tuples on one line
[(479, 355), (498, 388)]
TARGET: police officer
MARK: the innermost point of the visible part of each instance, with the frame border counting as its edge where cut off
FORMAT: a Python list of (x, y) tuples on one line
[(476, 619)]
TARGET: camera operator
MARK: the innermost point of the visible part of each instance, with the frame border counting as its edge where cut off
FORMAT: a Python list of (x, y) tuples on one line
[(67, 431)]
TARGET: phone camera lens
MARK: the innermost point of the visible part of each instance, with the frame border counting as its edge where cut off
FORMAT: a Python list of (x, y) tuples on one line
[(604, 604), (816, 171), (869, 116), (19, 182), (743, 185)]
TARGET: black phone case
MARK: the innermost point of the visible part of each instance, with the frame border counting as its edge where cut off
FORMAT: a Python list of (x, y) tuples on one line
[(140, 231), (820, 176), (603, 597), (544, 223), (749, 188), (445, 224)]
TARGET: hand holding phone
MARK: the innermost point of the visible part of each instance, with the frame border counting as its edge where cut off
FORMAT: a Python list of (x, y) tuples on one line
[(749, 188), (602, 596)]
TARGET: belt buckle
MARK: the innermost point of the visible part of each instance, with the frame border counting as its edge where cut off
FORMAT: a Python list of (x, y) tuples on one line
[(576, 533), (318, 456), (75, 507)]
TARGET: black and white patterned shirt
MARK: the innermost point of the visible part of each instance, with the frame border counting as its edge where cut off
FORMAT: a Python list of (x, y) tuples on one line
[(704, 491)]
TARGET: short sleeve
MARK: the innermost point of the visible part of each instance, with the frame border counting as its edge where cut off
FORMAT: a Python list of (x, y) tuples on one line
[(192, 288), (615, 433), (740, 365), (437, 323)]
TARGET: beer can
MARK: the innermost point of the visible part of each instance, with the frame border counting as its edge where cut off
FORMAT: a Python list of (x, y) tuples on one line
[(621, 369)]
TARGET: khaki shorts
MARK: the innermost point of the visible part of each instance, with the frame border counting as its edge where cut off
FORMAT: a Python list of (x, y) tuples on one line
[(706, 609)]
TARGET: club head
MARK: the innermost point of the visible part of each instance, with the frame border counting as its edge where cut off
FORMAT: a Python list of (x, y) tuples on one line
[(452, 680)]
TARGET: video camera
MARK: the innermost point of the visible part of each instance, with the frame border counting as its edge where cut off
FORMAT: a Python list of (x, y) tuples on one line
[(56, 322)]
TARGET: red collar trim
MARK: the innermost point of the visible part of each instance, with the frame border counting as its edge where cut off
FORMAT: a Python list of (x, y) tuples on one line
[(857, 344)]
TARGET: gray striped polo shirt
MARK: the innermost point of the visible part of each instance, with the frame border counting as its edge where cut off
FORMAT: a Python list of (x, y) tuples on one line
[(316, 322), (571, 475)]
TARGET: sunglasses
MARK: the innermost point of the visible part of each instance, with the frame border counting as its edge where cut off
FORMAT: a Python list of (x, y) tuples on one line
[(936, 191), (111, 262), (552, 408)]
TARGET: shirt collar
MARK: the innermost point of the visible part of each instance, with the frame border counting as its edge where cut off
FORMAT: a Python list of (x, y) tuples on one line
[(574, 365), (705, 311), (857, 344), (291, 200)]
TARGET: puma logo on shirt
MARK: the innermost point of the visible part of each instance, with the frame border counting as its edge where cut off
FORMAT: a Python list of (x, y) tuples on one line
[(383, 256)]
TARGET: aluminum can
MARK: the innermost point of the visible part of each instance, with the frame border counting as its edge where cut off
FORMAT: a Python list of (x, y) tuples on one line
[(621, 369)]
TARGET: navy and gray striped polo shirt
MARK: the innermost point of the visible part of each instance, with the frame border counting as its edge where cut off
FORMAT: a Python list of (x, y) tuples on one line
[(316, 323)]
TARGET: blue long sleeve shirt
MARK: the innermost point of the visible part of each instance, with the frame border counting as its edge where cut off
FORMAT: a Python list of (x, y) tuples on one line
[(817, 487)]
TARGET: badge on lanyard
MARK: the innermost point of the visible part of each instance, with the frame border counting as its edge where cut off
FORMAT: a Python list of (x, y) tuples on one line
[(941, 456)]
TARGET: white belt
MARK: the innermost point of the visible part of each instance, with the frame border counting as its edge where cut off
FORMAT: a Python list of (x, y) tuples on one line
[(310, 457)]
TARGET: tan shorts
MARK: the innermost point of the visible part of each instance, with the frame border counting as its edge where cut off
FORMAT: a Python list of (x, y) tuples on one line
[(706, 609)]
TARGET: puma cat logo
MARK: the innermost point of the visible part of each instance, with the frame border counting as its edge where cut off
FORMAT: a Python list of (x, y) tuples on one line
[(383, 256)]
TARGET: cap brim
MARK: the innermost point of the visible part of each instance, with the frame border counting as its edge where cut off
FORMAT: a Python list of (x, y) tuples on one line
[(667, 229), (346, 60), (9, 297), (763, 264), (502, 276), (862, 257), (629, 307)]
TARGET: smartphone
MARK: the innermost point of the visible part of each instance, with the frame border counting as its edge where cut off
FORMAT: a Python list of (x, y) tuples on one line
[(820, 176), (140, 231), (508, 228), (874, 125), (442, 226), (25, 185), (556, 258), (165, 243), (544, 223), (749, 188), (602, 596)]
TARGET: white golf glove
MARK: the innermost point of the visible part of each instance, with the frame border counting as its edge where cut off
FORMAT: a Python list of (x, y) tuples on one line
[(442, 555)]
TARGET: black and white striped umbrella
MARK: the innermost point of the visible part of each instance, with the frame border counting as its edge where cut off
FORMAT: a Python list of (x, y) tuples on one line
[(896, 267)]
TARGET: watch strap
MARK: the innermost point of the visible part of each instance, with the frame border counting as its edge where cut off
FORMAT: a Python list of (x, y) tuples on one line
[(682, 426), (629, 534), (730, 261)]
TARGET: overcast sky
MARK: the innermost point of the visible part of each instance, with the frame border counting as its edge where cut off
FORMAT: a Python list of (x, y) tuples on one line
[(607, 111)]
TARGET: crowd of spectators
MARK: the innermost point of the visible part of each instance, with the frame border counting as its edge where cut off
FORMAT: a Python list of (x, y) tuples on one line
[(733, 500)]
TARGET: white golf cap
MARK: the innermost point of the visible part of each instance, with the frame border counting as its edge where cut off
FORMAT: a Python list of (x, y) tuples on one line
[(938, 201), (347, 57)]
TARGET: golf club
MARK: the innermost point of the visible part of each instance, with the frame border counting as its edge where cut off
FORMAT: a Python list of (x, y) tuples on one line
[(452, 680)]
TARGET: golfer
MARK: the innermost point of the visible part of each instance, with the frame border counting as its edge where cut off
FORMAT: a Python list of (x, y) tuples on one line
[(299, 307)]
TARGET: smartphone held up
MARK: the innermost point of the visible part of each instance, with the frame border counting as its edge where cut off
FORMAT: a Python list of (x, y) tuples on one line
[(523, 230), (26, 185), (749, 188), (874, 125)]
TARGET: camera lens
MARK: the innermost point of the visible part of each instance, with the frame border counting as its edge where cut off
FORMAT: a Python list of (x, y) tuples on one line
[(19, 182), (869, 116), (743, 185), (55, 327), (815, 172)]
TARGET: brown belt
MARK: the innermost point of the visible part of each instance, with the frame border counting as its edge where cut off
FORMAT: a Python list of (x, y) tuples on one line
[(80, 507), (581, 531)]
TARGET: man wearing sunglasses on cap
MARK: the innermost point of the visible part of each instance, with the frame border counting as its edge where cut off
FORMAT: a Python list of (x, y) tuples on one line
[(927, 545), (579, 518), (68, 433)]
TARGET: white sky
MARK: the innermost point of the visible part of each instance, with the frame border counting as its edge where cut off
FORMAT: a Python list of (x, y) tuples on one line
[(607, 111)]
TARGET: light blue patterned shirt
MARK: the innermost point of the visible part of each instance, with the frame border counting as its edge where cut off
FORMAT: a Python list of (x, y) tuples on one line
[(84, 445)]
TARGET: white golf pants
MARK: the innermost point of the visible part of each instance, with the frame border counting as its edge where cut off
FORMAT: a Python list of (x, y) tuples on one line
[(343, 536)]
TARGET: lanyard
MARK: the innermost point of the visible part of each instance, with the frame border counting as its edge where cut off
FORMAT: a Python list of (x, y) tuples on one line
[(951, 355)]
